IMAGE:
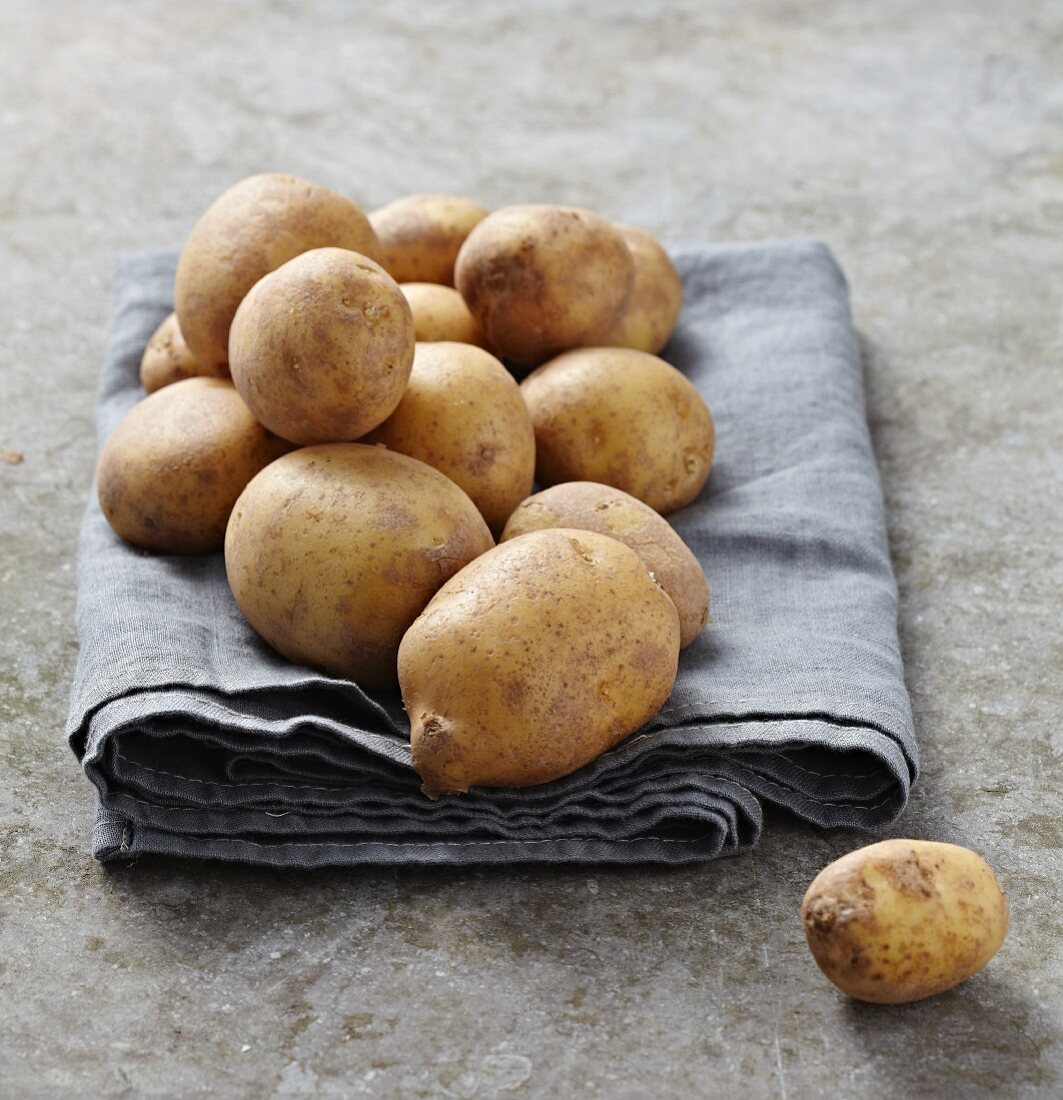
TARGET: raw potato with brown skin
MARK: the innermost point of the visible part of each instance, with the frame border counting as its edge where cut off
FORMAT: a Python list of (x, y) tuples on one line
[(541, 279), (589, 506), (333, 551), (171, 471), (623, 418), (648, 319), (904, 919), (321, 348), (167, 358), (420, 235), (440, 313), (247, 232), (534, 660), (463, 414)]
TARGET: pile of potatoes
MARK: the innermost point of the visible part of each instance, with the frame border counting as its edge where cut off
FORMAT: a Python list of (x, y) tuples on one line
[(335, 403)]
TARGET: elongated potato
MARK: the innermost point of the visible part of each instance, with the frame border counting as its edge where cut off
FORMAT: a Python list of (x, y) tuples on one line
[(247, 232), (334, 550), (648, 318), (420, 235), (589, 506), (541, 279), (171, 471), (321, 348), (463, 413), (904, 919), (167, 358), (440, 313), (623, 418), (535, 659)]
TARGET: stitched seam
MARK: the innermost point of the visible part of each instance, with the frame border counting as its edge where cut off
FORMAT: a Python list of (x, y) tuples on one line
[(815, 801), (809, 771)]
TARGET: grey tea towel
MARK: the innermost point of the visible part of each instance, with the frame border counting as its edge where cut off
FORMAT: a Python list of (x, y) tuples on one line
[(203, 742)]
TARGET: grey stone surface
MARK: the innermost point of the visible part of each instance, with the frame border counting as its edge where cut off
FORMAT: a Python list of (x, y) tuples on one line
[(925, 143)]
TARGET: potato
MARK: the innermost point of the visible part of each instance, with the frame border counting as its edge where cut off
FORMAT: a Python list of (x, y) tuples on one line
[(420, 235), (321, 348), (170, 473), (588, 506), (167, 359), (623, 418), (904, 919), (542, 279), (440, 313), (463, 414), (334, 550), (535, 659), (648, 319), (247, 232)]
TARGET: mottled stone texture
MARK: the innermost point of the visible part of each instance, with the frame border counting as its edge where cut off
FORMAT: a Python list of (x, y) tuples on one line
[(923, 141)]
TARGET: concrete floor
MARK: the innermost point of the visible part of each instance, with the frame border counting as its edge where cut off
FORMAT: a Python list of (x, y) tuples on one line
[(923, 141)]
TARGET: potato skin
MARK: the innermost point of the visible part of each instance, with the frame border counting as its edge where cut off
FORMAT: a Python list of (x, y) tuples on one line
[(534, 660), (440, 313), (588, 506), (420, 235), (171, 471), (463, 414), (167, 358), (321, 348), (334, 550), (247, 232), (904, 919), (648, 319), (624, 418), (542, 279)]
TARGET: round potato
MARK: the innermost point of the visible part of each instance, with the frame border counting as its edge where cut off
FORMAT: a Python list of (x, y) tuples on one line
[(589, 506), (648, 319), (167, 358), (542, 279), (623, 418), (420, 235), (904, 919), (535, 659), (463, 414), (172, 469), (321, 348), (440, 313), (247, 232), (333, 551)]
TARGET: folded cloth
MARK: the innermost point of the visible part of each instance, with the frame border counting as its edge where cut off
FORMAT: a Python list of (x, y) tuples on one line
[(201, 741)]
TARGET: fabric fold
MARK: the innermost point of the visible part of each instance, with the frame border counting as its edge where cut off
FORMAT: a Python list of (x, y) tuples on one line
[(201, 741)]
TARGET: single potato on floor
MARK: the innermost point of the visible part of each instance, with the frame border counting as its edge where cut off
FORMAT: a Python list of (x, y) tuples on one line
[(904, 919)]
